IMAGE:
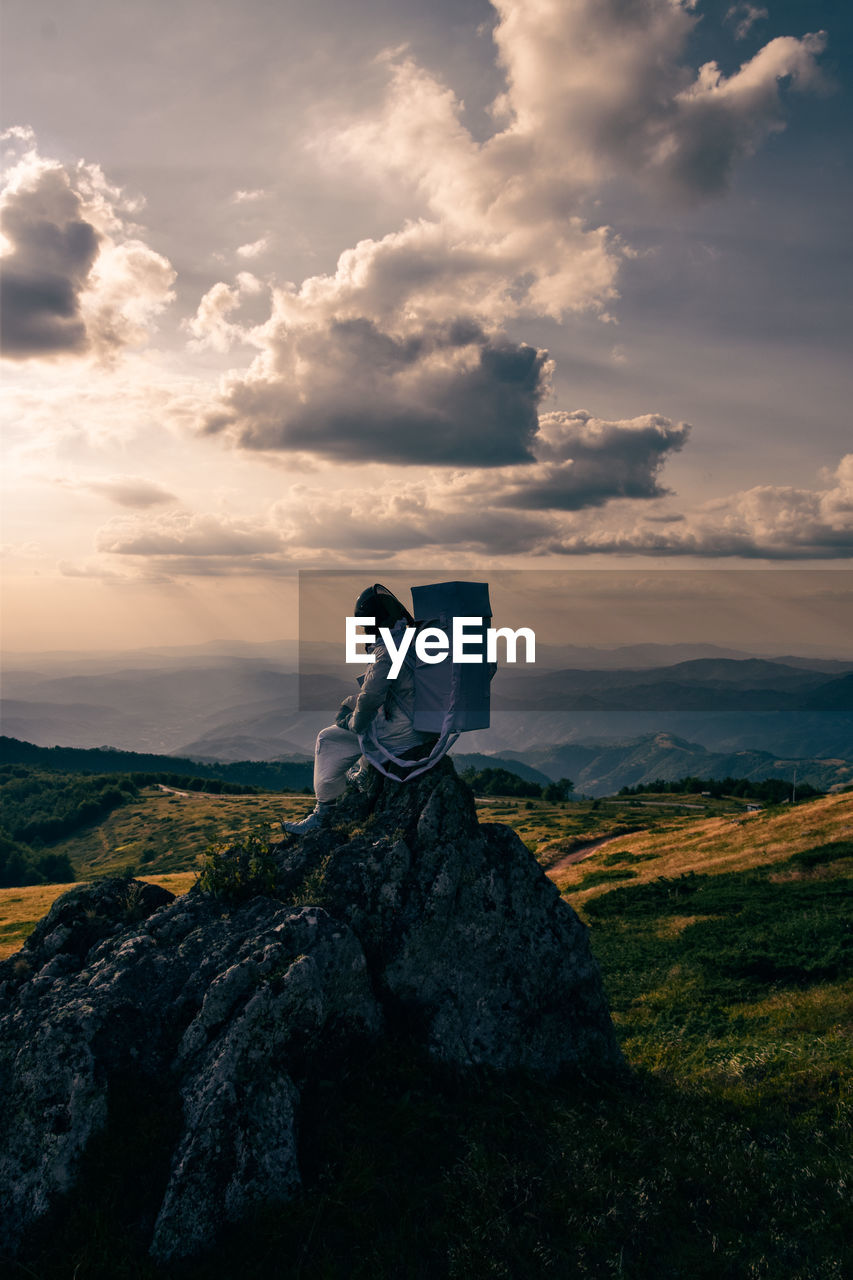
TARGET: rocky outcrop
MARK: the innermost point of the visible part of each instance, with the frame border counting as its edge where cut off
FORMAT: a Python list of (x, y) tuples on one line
[(462, 930), (405, 912)]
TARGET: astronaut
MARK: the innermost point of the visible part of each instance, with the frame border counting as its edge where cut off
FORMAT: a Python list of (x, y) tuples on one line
[(384, 706)]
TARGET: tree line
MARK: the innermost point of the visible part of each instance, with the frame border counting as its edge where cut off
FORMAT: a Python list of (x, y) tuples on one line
[(268, 775), (768, 790), (41, 806), (501, 782), (20, 865)]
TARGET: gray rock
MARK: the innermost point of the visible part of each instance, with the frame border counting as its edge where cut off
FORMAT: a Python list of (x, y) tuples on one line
[(464, 933), (226, 1008), (415, 915)]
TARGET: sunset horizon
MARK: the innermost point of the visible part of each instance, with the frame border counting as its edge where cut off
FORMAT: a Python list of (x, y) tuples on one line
[(510, 286)]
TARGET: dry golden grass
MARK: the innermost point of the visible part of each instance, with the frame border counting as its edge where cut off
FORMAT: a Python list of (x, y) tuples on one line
[(713, 845), (160, 837), (672, 926), (21, 909), (166, 831)]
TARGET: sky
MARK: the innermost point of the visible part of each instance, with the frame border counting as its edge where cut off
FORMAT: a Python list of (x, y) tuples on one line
[(537, 284)]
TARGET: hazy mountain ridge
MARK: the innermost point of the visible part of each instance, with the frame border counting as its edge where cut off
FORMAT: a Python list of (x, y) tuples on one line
[(601, 770), (246, 707), (596, 770), (476, 760), (701, 684)]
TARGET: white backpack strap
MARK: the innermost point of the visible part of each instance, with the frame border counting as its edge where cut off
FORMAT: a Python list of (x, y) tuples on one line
[(380, 757)]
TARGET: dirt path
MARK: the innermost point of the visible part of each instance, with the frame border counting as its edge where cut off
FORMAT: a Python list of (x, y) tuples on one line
[(583, 851)]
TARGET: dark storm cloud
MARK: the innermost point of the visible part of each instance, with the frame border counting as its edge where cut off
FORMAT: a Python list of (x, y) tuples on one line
[(445, 394), (53, 249)]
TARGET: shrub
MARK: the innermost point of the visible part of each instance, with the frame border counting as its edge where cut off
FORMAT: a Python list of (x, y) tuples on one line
[(601, 876), (500, 782), (22, 865), (240, 870), (822, 854)]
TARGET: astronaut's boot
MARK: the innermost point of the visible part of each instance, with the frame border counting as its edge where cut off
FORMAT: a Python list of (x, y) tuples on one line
[(319, 817)]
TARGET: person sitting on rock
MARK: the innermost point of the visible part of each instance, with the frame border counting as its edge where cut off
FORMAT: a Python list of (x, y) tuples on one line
[(387, 705)]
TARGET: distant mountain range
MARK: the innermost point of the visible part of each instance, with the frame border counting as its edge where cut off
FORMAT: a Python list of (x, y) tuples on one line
[(246, 706), (702, 684)]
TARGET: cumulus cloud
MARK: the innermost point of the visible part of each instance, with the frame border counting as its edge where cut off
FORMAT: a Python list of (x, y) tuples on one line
[(52, 249), (255, 249), (450, 511), (441, 514), (585, 462), (602, 88), (401, 354), (442, 394), (77, 277), (580, 463), (576, 462), (211, 326), (771, 522)]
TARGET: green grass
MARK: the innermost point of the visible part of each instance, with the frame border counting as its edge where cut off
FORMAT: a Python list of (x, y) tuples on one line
[(412, 1173), (162, 832), (604, 876), (741, 982), (722, 1153)]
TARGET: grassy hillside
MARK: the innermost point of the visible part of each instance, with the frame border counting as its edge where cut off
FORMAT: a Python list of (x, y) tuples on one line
[(166, 829), (163, 831), (725, 948), (274, 775), (160, 836), (733, 841)]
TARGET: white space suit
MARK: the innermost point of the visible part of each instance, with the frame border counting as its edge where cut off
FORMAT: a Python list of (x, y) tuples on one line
[(386, 705)]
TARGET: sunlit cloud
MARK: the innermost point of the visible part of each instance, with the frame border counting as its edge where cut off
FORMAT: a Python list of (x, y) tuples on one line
[(255, 249), (212, 326), (78, 278), (186, 534), (439, 514), (401, 354), (771, 522)]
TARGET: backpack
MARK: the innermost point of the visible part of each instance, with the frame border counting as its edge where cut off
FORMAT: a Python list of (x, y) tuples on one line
[(450, 697)]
